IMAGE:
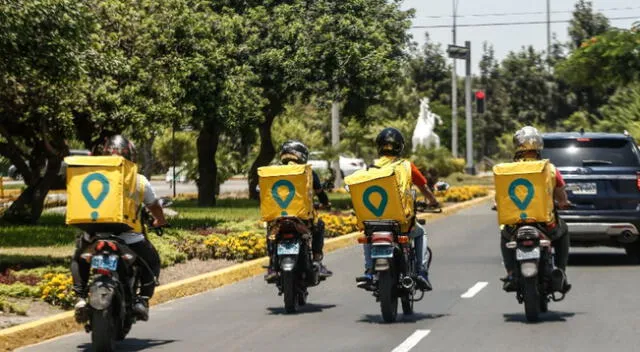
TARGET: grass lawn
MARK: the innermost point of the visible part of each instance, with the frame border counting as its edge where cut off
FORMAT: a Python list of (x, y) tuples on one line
[(52, 242)]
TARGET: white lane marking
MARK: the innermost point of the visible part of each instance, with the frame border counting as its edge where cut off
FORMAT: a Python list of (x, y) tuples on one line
[(411, 341), (474, 289)]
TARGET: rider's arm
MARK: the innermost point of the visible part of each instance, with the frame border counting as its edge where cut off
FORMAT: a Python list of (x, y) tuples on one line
[(559, 193), (151, 202), (420, 181), (317, 188)]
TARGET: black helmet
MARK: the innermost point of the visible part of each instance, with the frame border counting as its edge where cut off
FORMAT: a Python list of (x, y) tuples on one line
[(118, 145), (390, 142), (294, 151)]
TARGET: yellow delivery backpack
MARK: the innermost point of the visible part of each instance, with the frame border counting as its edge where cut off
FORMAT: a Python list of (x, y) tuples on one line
[(286, 190), (383, 192), (524, 191), (103, 194)]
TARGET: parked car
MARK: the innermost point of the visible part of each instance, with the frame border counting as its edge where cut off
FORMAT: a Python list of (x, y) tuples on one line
[(602, 172), (181, 175), (348, 165)]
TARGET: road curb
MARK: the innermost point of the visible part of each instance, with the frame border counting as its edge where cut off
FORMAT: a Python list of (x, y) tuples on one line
[(64, 323)]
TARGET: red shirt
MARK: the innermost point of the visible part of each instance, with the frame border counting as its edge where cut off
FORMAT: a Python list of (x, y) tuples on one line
[(418, 178), (559, 180)]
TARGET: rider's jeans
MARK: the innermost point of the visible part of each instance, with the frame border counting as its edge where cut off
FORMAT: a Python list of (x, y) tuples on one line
[(419, 236)]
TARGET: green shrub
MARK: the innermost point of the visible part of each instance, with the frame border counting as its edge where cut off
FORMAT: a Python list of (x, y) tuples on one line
[(439, 159)]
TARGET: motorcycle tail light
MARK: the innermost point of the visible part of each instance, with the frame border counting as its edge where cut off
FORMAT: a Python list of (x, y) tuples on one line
[(128, 258), (87, 257), (527, 243), (113, 246), (545, 243), (512, 245), (403, 239), (103, 272), (528, 232), (638, 180), (100, 245), (288, 236)]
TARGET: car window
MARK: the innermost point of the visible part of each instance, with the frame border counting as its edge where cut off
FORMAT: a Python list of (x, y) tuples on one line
[(590, 152)]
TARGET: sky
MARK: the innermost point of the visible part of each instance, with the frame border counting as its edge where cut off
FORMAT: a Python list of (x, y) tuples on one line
[(506, 38)]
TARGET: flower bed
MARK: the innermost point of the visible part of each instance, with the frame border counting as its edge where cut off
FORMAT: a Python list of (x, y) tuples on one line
[(457, 194)]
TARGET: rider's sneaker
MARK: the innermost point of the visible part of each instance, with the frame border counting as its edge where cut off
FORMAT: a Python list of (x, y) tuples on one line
[(271, 276), (423, 281), (323, 272), (81, 311), (141, 308), (509, 284)]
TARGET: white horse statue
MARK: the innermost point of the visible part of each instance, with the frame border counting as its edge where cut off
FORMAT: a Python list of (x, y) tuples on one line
[(423, 133)]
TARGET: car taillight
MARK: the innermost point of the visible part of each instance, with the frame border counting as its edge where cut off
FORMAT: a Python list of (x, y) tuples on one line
[(638, 180)]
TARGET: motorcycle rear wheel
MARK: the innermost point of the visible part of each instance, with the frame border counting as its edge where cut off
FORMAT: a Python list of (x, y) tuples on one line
[(532, 299), (103, 330), (407, 304), (387, 286), (289, 291)]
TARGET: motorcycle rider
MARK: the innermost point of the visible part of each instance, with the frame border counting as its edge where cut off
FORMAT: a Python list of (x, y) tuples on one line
[(528, 145), (118, 145), (390, 145), (293, 151)]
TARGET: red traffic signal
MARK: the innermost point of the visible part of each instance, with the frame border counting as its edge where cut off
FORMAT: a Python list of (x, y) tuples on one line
[(480, 101)]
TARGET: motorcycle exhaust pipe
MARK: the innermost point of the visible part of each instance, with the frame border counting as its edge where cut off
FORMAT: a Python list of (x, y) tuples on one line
[(407, 282)]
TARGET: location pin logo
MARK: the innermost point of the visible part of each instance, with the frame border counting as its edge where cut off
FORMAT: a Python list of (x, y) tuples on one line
[(384, 198), (291, 191), (95, 202), (523, 203)]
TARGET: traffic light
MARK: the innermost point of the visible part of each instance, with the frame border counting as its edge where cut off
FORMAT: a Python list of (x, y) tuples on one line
[(480, 101)]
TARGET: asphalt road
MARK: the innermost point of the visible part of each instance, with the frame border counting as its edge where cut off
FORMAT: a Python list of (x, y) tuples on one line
[(600, 313)]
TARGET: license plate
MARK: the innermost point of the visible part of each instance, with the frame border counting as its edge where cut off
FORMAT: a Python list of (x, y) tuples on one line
[(287, 248), (381, 252), (528, 254), (589, 188), (103, 262)]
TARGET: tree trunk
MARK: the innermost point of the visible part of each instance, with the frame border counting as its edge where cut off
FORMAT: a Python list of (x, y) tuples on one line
[(147, 157), (266, 154), (207, 168), (30, 204)]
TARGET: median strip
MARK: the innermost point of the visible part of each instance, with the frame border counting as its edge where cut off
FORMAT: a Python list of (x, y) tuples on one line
[(64, 323)]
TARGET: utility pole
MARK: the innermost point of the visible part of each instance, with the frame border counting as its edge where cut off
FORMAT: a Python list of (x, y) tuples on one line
[(468, 111), (548, 30), (335, 140), (454, 92)]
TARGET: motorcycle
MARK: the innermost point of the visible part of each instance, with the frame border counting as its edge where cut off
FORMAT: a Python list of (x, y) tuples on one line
[(536, 286), (393, 255), (292, 257), (113, 286)]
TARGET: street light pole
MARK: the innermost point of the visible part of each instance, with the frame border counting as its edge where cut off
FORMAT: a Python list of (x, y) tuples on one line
[(454, 93), (173, 146), (468, 112)]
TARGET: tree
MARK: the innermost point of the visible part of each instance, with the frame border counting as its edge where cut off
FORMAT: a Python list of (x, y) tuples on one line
[(218, 84), (585, 23), (43, 47)]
